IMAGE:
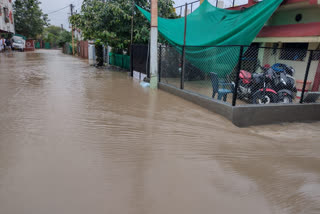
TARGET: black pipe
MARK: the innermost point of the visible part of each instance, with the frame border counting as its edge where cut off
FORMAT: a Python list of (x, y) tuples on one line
[(306, 76), (131, 60), (160, 58), (235, 93)]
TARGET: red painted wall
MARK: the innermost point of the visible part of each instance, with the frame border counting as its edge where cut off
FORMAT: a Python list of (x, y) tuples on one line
[(252, 2), (29, 45), (83, 49)]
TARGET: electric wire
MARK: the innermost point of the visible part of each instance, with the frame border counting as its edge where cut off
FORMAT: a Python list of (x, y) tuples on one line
[(58, 10)]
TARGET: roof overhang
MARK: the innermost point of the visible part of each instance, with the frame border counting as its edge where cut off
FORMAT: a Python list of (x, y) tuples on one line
[(306, 39), (293, 30), (286, 4)]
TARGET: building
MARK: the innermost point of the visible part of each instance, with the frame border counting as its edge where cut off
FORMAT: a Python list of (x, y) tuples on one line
[(6, 17), (292, 30)]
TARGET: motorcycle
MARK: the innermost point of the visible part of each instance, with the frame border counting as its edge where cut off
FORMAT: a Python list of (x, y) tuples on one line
[(284, 82), (275, 84)]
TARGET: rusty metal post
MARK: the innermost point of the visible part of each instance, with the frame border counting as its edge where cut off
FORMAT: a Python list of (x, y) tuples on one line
[(184, 48)]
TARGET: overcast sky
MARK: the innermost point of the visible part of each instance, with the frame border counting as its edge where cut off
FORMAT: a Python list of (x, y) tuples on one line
[(61, 17)]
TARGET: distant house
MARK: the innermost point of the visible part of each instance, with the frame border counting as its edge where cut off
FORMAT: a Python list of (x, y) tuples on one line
[(6, 17), (295, 26)]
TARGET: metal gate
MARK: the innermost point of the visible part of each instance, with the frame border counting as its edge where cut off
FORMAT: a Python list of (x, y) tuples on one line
[(139, 61)]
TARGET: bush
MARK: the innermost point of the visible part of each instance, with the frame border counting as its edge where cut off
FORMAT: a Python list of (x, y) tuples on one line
[(99, 52)]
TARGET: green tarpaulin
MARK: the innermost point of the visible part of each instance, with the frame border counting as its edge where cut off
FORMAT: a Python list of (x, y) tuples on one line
[(211, 26)]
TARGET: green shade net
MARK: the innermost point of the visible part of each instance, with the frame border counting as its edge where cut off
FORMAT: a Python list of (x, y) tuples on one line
[(211, 26)]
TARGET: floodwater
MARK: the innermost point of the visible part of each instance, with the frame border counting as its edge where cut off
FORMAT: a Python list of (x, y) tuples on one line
[(76, 140)]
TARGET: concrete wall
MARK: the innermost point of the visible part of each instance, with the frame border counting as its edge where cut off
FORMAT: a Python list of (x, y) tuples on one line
[(215, 106), (8, 27), (249, 115)]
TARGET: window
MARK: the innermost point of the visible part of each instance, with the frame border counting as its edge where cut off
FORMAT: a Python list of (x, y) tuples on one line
[(6, 11), (6, 14), (240, 2), (294, 51)]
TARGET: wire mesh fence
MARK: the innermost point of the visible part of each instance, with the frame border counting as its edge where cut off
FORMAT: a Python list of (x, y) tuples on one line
[(170, 62), (312, 83), (209, 72), (241, 75)]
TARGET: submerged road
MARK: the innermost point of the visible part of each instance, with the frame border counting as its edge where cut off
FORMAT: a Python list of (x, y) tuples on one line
[(77, 140)]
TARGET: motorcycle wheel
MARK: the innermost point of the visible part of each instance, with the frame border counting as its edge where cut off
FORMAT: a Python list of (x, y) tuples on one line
[(285, 98), (267, 98)]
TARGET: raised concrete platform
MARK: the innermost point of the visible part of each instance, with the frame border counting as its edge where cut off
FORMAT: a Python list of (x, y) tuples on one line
[(248, 115)]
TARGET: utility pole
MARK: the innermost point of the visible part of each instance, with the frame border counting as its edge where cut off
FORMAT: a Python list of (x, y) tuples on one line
[(71, 10), (154, 45)]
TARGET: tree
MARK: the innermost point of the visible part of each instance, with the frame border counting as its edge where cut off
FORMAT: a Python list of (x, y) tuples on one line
[(55, 36), (64, 37), (111, 21), (29, 18)]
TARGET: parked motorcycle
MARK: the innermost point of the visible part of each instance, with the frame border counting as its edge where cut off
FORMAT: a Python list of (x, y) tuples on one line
[(284, 82), (275, 84)]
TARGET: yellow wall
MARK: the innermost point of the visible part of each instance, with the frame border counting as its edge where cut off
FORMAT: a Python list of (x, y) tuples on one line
[(266, 57), (286, 17)]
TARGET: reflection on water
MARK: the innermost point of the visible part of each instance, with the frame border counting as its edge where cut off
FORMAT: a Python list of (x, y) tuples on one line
[(75, 139)]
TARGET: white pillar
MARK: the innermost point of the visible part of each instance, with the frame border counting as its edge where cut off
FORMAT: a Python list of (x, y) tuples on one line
[(154, 45)]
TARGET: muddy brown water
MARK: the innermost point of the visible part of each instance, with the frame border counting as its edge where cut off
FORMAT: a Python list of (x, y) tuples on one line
[(79, 140)]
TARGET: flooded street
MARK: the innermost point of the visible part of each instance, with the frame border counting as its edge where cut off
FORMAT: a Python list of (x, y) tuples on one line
[(77, 140)]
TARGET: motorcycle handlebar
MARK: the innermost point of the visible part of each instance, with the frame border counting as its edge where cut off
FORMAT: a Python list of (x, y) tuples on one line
[(263, 68)]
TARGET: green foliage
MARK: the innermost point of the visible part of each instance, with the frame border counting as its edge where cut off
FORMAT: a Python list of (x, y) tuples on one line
[(29, 18), (55, 36), (53, 29), (111, 21), (64, 37)]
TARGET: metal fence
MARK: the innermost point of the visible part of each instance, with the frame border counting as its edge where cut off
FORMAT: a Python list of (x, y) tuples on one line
[(119, 60), (241, 75), (139, 59), (82, 49), (67, 48)]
